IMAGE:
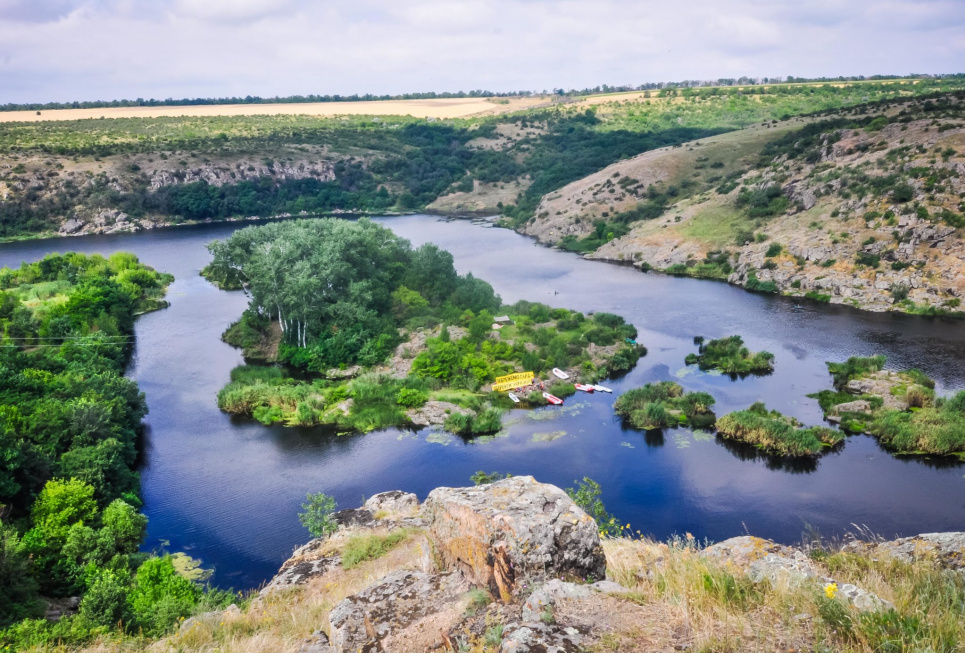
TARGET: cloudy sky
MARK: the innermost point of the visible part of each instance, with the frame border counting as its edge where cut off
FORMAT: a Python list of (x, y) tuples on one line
[(60, 50)]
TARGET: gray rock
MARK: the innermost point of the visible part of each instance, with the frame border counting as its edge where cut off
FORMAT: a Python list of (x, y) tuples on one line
[(944, 549), (394, 503), (780, 570), (516, 528), (541, 638), (862, 600), (71, 226), (435, 412), (546, 597), (317, 643), (398, 612)]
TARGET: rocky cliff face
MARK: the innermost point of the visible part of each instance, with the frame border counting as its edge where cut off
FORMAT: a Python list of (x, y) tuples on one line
[(517, 567), (87, 184)]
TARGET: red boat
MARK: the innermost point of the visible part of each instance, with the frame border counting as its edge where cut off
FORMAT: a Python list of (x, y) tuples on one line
[(556, 401), (584, 387)]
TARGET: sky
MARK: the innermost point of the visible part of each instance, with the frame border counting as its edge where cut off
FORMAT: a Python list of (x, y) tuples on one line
[(64, 50)]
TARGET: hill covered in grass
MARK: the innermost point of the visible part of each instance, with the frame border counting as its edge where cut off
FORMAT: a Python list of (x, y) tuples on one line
[(861, 207)]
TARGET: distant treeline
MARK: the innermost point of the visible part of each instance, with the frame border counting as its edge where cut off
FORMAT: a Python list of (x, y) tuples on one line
[(369, 97), (252, 99), (753, 81)]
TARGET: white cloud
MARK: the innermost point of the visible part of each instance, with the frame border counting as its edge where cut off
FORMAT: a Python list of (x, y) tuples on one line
[(87, 49)]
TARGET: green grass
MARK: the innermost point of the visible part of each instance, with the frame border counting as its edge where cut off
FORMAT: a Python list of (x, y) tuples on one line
[(716, 225), (371, 547), (663, 404), (775, 433)]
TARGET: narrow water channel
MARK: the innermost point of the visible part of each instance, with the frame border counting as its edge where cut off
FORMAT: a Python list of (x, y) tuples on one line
[(228, 491)]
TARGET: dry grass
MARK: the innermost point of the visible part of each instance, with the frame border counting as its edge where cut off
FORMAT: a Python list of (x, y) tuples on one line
[(432, 108), (678, 601), (712, 610)]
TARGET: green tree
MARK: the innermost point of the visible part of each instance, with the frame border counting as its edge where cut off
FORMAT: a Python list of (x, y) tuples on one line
[(317, 517), (105, 603)]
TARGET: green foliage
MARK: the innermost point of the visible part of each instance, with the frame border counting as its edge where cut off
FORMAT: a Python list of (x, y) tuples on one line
[(486, 421), (587, 495), (317, 517), (370, 547), (105, 603), (776, 433), (411, 398), (756, 285), (763, 203), (339, 290), (658, 405), (730, 356), (774, 250), (160, 597), (855, 367), (482, 478), (19, 597)]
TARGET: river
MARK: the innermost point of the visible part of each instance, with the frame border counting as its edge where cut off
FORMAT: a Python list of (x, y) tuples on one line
[(227, 491)]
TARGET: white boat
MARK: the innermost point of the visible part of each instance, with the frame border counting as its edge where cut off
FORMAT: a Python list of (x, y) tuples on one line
[(601, 388), (512, 395), (560, 373), (556, 401), (584, 387)]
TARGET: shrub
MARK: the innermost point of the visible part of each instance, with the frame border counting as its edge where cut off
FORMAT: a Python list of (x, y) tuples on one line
[(318, 515), (105, 603), (411, 398), (773, 250)]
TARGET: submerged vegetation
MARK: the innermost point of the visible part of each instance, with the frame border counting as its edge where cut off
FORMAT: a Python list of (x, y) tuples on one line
[(382, 329), (775, 433), (663, 404), (730, 356), (69, 425)]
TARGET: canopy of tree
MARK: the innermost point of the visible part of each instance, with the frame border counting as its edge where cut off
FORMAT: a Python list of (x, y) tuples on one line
[(340, 290)]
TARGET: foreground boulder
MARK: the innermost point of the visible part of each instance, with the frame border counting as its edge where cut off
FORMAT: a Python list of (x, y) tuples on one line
[(500, 533), (405, 611)]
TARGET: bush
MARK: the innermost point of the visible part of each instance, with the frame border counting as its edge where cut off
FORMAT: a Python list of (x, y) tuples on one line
[(105, 603), (773, 250), (411, 398), (317, 517)]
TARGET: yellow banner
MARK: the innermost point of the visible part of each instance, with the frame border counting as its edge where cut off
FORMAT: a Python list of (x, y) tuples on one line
[(509, 385), (513, 377)]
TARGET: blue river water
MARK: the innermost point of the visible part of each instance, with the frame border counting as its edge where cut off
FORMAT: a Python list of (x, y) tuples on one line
[(228, 490)]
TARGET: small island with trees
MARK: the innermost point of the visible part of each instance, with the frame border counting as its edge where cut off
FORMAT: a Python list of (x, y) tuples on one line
[(351, 327), (730, 356)]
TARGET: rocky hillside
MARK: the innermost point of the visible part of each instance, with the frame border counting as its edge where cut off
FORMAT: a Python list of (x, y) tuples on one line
[(865, 210), (85, 190), (516, 566)]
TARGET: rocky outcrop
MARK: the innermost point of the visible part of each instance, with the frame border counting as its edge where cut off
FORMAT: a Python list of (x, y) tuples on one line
[(218, 175), (499, 555), (944, 549), (766, 561), (405, 611), (514, 529), (435, 413)]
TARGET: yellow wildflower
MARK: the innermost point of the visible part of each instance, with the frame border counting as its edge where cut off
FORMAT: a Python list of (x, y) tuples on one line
[(830, 590)]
